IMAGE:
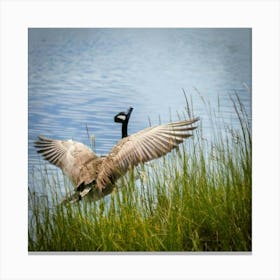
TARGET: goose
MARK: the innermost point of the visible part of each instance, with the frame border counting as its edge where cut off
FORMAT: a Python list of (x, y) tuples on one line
[(88, 172)]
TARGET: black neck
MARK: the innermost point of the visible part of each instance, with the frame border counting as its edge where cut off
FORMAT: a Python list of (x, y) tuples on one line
[(124, 129)]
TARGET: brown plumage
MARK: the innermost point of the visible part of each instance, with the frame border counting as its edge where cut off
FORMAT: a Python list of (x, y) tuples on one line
[(84, 167)]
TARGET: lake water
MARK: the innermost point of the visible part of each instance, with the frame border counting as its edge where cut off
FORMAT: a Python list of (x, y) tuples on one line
[(80, 78)]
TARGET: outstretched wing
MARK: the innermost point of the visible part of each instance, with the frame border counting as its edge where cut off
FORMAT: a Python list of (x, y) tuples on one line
[(141, 147), (75, 159)]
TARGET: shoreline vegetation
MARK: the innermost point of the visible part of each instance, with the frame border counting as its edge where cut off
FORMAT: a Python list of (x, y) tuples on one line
[(198, 198)]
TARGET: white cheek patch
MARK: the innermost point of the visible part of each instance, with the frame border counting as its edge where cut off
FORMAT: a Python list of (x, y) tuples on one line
[(122, 117)]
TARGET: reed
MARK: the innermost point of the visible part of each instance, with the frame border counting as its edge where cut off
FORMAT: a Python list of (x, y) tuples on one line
[(198, 198)]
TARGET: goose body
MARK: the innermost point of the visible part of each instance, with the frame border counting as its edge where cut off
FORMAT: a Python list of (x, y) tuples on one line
[(86, 169)]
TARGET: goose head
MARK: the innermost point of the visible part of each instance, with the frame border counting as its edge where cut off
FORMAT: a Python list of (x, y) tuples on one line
[(123, 118)]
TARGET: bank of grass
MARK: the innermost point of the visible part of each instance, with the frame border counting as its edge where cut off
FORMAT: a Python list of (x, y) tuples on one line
[(196, 199)]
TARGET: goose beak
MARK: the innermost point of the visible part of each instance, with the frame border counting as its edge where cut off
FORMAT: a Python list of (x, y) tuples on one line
[(129, 112)]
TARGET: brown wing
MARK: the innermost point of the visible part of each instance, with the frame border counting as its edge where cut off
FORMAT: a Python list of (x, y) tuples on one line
[(75, 159), (141, 147)]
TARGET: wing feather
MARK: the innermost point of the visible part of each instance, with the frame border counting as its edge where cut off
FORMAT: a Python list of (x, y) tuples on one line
[(141, 147), (75, 159)]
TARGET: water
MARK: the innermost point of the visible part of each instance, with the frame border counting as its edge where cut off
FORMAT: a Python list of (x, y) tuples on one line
[(80, 78)]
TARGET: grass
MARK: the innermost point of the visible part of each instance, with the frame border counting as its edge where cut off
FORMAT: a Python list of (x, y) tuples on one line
[(198, 198)]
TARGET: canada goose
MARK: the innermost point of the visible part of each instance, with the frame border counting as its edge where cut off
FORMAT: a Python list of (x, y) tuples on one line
[(87, 171)]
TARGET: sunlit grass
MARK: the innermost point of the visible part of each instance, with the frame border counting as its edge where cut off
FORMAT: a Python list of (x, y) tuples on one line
[(196, 199)]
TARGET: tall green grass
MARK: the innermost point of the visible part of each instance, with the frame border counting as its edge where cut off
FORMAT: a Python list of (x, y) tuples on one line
[(198, 198)]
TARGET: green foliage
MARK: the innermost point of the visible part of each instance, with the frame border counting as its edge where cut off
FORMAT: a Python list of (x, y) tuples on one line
[(198, 198)]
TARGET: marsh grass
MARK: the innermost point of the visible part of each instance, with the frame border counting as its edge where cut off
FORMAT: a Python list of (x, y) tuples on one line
[(198, 198)]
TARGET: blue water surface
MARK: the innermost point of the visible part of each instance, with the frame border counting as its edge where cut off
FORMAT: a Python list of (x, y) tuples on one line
[(80, 78)]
